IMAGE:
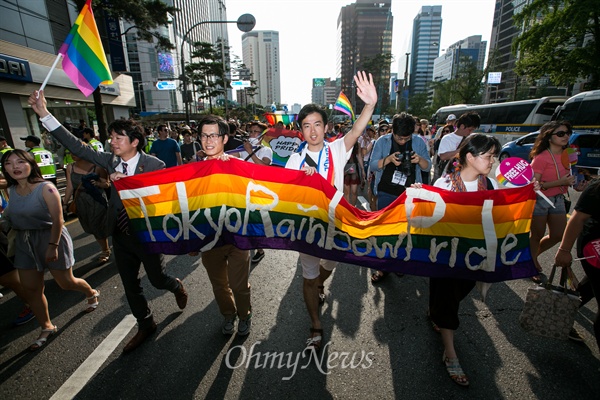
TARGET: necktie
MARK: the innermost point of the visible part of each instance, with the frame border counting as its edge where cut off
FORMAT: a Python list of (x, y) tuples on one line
[(123, 219)]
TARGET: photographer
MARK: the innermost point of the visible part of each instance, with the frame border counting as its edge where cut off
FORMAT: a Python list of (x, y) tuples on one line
[(398, 161)]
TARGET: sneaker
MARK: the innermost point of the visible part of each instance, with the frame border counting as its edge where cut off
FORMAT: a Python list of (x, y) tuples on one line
[(228, 326), (25, 316), (575, 336), (244, 326), (258, 256)]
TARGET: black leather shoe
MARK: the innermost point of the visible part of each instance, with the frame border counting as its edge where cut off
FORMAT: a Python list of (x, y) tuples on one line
[(181, 296), (139, 338)]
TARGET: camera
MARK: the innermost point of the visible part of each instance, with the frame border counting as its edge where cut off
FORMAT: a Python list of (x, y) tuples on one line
[(404, 158)]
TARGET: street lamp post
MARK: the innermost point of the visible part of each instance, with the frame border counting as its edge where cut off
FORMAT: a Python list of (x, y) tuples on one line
[(406, 82), (140, 84), (245, 23)]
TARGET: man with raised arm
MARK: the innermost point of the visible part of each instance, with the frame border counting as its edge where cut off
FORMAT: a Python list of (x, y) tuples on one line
[(327, 159), (126, 158)]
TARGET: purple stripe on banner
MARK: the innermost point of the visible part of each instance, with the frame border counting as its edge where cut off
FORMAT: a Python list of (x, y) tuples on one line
[(520, 270), (80, 81)]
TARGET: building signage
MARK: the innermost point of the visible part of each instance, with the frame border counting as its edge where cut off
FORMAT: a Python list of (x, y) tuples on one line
[(494, 77), (240, 84), (15, 68), (166, 85)]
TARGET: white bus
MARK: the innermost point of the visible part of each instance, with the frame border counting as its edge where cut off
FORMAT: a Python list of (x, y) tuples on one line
[(582, 111), (507, 121)]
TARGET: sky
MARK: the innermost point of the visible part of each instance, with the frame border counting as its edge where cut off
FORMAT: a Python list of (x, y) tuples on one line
[(307, 34)]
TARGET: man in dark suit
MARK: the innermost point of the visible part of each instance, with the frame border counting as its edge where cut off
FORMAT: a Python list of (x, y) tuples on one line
[(126, 158)]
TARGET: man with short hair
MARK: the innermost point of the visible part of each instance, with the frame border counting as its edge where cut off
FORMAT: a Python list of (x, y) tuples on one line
[(228, 267), (326, 159), (190, 149), (43, 158), (4, 147), (126, 158), (450, 143), (165, 148), (90, 138)]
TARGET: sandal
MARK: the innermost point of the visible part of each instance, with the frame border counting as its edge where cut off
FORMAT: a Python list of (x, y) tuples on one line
[(378, 276), (41, 340), (321, 294), (314, 342), (92, 306), (455, 371), (104, 256)]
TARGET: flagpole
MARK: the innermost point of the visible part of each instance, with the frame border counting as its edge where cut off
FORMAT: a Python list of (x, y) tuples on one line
[(58, 56)]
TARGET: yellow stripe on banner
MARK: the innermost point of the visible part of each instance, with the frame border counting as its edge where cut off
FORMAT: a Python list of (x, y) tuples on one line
[(89, 32)]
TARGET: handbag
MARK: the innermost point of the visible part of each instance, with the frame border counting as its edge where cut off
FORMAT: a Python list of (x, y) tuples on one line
[(350, 168), (550, 310)]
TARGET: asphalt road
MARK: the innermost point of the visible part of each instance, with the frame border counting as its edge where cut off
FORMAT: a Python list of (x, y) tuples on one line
[(379, 341)]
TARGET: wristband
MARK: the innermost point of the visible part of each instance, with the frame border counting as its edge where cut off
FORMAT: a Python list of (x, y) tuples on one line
[(53, 244)]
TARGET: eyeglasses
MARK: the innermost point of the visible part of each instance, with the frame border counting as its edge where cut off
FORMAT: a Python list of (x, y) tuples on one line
[(562, 133), (211, 137)]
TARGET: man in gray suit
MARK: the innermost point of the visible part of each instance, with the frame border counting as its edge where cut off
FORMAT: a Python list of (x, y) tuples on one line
[(126, 158)]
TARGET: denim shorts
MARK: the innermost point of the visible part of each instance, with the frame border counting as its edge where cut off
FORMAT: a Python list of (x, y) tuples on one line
[(542, 208)]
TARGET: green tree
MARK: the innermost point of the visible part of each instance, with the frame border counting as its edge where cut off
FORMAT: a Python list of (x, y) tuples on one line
[(206, 73), (561, 40), (467, 86), (146, 16)]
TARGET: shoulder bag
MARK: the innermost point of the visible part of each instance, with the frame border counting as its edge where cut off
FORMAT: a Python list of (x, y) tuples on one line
[(550, 310)]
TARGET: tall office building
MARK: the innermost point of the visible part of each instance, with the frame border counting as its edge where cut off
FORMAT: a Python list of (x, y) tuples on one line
[(446, 66), (324, 91), (364, 30), (501, 57), (426, 34), (147, 64), (260, 52)]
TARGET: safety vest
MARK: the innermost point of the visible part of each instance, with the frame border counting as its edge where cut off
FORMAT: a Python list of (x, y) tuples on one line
[(96, 145), (45, 161), (149, 141), (68, 158), (4, 150)]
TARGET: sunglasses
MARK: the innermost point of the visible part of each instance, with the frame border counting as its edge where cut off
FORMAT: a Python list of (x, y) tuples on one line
[(562, 133), (445, 131)]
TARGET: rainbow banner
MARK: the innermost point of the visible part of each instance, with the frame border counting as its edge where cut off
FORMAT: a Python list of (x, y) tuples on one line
[(84, 60), (343, 104), (482, 236), (283, 142), (286, 119)]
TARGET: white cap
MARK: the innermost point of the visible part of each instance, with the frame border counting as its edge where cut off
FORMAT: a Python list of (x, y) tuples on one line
[(451, 117)]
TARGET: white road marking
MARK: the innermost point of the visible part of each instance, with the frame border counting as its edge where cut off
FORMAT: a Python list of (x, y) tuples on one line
[(84, 373)]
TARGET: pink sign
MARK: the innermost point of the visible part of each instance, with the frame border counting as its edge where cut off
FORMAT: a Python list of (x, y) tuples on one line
[(514, 170), (591, 252)]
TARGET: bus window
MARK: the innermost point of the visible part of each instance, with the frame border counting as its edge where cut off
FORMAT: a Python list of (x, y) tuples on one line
[(589, 113), (547, 108), (570, 111), (498, 115), (518, 113)]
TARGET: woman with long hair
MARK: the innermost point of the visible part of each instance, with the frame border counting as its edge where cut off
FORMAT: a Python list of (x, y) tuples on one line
[(42, 241), (554, 179), (474, 162)]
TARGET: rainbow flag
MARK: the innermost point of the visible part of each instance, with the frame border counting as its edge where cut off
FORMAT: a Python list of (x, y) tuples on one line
[(343, 104), (482, 236), (286, 119), (84, 60)]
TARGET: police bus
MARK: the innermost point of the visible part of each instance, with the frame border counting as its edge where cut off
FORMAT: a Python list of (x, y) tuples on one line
[(507, 121)]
